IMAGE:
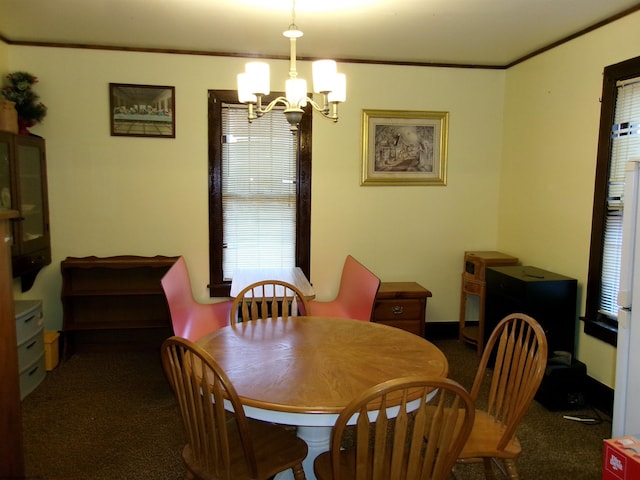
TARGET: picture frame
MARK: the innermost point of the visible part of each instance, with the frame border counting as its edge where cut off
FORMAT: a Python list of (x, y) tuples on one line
[(142, 110), (401, 147)]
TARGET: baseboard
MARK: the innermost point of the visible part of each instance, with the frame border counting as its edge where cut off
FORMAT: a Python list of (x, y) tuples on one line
[(597, 394)]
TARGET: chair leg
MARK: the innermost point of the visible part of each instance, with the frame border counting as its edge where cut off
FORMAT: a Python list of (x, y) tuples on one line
[(298, 472), (511, 470), (488, 469), (454, 473)]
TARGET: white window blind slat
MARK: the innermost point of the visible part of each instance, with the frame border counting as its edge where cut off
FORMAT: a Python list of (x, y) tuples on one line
[(258, 191)]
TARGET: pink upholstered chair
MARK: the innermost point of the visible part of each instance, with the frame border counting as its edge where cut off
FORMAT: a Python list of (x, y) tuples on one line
[(356, 294), (190, 319)]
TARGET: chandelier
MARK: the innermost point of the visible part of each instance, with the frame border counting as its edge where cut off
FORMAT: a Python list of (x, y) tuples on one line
[(254, 83)]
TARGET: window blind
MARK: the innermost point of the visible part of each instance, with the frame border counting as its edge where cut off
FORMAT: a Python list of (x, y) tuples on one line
[(625, 145), (258, 191)]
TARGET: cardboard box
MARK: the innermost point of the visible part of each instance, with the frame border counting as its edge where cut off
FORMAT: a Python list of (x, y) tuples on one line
[(51, 353), (622, 458)]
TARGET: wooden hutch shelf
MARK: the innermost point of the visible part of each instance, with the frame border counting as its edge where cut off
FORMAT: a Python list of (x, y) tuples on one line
[(114, 302)]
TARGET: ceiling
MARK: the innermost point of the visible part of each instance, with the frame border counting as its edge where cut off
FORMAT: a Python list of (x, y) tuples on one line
[(459, 32)]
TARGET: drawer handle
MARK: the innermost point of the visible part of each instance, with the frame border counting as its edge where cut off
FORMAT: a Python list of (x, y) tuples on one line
[(29, 319), (397, 310), (31, 344), (33, 371)]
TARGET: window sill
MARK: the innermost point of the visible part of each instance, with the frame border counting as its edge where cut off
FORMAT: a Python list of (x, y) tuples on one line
[(220, 290), (602, 330)]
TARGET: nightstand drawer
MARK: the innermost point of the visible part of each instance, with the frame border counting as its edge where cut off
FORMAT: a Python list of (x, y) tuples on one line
[(401, 305), (472, 287), (398, 309)]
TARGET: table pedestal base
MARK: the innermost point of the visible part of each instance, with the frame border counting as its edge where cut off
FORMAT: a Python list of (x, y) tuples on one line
[(317, 439)]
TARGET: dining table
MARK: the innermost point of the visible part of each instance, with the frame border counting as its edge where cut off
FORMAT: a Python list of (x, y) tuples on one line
[(304, 370), (243, 277)]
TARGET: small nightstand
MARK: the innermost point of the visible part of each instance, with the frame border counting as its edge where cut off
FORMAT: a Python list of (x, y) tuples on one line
[(473, 294), (402, 305)]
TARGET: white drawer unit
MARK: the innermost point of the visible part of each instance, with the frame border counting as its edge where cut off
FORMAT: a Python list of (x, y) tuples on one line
[(29, 319), (30, 340), (30, 350), (31, 376)]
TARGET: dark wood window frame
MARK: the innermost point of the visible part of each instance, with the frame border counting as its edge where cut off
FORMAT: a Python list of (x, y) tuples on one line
[(217, 286), (595, 323)]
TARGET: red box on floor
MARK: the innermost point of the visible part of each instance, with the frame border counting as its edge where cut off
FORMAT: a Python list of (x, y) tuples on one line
[(622, 458)]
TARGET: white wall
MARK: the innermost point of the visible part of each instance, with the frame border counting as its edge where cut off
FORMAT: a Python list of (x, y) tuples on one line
[(120, 195), (4, 59), (550, 141)]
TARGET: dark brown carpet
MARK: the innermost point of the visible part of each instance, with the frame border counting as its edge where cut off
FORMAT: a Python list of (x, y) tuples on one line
[(103, 416), (111, 416)]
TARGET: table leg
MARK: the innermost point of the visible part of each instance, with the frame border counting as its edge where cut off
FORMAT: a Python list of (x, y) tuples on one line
[(317, 439)]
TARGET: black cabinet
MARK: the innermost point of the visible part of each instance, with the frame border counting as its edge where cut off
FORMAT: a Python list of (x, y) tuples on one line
[(548, 297)]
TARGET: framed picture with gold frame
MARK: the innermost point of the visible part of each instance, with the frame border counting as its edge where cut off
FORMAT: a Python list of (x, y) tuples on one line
[(404, 147)]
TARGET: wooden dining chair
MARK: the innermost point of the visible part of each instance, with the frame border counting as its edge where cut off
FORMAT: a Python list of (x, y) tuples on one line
[(356, 294), (268, 299), (189, 318), (222, 443), (400, 432), (509, 374)]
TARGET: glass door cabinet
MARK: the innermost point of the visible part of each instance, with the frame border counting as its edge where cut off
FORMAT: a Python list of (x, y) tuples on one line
[(23, 187)]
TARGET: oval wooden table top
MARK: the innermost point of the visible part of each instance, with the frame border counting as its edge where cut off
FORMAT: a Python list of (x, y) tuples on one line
[(316, 364)]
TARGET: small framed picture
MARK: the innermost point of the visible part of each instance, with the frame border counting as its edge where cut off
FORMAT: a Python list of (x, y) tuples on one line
[(404, 147), (142, 110)]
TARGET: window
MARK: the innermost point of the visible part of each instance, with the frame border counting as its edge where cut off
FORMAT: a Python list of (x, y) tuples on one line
[(619, 140), (259, 191)]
